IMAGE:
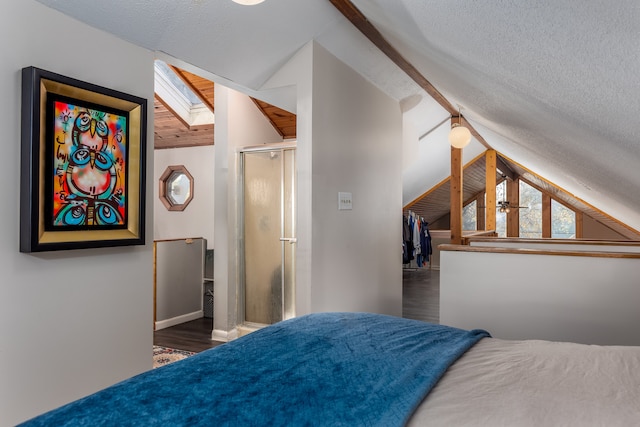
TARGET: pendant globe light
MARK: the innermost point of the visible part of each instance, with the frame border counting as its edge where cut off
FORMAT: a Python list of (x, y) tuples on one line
[(459, 136)]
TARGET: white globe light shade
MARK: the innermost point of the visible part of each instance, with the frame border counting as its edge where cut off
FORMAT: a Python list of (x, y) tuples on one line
[(248, 2), (459, 137)]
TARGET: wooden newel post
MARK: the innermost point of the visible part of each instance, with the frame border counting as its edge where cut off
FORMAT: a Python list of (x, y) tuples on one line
[(455, 221), (490, 188)]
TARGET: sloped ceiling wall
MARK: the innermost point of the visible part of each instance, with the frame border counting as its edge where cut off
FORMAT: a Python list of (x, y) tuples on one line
[(171, 131), (551, 84)]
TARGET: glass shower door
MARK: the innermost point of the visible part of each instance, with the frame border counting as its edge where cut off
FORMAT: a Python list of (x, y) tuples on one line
[(268, 245)]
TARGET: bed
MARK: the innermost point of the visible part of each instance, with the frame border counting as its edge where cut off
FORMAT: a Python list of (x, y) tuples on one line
[(352, 369)]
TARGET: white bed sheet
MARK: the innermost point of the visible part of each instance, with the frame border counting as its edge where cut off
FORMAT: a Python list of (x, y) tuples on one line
[(536, 383)]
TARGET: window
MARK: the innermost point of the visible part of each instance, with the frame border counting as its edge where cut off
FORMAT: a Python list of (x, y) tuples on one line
[(531, 218), (469, 216), (563, 221), (177, 96), (178, 84), (501, 217), (176, 188), (529, 211)]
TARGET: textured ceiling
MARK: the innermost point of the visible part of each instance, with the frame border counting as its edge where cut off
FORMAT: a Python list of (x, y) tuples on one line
[(550, 84)]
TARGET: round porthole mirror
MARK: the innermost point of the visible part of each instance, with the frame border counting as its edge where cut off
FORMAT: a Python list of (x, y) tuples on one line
[(176, 188)]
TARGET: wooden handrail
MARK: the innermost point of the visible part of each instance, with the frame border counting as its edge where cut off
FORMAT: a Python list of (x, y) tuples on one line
[(480, 235), (527, 251), (480, 238)]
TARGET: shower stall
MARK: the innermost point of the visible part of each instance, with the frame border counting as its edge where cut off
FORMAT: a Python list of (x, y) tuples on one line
[(267, 236)]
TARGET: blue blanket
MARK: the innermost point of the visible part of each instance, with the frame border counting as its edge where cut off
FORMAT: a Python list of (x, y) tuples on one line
[(337, 369)]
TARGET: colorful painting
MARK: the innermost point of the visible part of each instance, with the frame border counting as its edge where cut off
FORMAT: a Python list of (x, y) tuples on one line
[(89, 166), (82, 172)]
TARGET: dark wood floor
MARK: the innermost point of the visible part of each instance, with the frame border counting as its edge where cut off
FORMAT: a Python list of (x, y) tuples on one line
[(420, 301), (191, 336), (421, 294)]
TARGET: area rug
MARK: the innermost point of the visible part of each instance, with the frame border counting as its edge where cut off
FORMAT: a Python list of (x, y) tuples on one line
[(165, 355)]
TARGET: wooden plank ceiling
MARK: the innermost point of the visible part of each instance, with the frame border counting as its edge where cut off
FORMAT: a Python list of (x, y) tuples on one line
[(573, 202), (282, 121), (170, 131), (435, 203)]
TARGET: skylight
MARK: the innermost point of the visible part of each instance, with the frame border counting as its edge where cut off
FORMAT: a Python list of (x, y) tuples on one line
[(169, 74), (179, 97)]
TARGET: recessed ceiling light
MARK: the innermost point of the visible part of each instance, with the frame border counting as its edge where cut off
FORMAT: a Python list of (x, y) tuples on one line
[(248, 2)]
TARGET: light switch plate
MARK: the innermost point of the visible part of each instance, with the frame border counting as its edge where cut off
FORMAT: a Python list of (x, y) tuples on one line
[(344, 201)]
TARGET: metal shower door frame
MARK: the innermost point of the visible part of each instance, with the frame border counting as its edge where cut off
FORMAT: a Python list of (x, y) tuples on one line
[(284, 240)]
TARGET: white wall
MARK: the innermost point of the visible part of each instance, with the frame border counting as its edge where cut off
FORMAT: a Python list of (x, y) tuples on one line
[(238, 124), (179, 284), (438, 237), (349, 138), (71, 322), (583, 299), (357, 147), (197, 219)]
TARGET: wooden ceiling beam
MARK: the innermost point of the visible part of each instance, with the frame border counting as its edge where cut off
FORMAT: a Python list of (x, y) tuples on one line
[(353, 14), (475, 133), (456, 190), (507, 172), (185, 77), (357, 18), (490, 189), (172, 111), (513, 217)]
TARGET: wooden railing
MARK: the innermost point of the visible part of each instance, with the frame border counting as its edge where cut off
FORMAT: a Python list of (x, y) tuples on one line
[(532, 251), (558, 244), (469, 235)]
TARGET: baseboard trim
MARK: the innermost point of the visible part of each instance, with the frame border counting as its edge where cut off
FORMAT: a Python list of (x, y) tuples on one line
[(248, 327), (167, 323), (224, 336)]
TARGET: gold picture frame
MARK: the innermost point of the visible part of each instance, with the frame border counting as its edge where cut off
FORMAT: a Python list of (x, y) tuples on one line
[(83, 164)]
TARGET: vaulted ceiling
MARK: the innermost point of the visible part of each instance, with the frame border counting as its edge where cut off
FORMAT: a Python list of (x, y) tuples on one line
[(434, 204), (171, 131), (550, 84)]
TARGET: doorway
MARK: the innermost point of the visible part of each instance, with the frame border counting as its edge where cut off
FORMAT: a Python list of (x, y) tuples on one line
[(268, 230)]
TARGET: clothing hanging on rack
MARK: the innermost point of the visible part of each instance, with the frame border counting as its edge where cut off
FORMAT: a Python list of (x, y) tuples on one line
[(425, 242), (416, 240), (416, 236), (406, 237)]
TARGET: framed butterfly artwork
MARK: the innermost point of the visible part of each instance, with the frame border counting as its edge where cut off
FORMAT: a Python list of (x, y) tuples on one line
[(82, 182)]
